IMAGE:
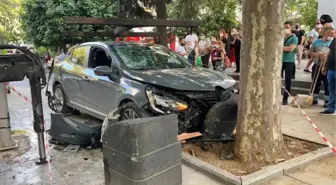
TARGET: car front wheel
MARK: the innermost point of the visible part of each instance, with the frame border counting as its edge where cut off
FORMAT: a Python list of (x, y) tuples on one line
[(131, 111), (60, 100)]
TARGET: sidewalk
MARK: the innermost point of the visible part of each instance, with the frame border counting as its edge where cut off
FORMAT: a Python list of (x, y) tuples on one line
[(319, 173)]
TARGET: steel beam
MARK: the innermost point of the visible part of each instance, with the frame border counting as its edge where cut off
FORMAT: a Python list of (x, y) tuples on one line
[(131, 22), (108, 34)]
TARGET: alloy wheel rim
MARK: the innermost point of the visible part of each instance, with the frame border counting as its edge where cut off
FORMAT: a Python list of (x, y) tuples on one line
[(129, 114), (59, 99)]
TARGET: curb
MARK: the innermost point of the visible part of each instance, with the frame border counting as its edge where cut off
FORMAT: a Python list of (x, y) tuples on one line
[(222, 175), (260, 176)]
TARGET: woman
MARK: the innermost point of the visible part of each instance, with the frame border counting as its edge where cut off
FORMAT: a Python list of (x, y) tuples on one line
[(326, 22), (217, 53), (232, 39), (237, 47), (204, 46), (224, 38)]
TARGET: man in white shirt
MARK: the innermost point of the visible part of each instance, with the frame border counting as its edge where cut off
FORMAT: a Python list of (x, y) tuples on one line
[(192, 39)]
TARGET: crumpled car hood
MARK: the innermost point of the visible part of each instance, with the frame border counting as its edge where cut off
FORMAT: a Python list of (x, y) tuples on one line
[(185, 79)]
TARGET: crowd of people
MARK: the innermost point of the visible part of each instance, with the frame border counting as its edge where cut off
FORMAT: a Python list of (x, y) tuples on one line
[(222, 50), (321, 48), (318, 45)]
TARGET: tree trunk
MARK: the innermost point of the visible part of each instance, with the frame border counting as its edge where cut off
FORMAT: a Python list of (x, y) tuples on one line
[(258, 137), (161, 11)]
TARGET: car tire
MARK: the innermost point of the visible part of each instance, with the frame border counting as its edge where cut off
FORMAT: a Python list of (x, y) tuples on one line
[(64, 108), (131, 107)]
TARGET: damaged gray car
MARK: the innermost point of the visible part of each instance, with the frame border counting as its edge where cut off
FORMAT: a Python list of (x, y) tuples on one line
[(143, 80)]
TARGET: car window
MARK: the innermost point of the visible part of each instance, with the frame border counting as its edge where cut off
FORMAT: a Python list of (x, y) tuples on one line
[(78, 55), (99, 57), (148, 57)]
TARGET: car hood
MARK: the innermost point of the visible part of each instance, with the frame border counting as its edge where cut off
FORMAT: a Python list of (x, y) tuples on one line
[(186, 79)]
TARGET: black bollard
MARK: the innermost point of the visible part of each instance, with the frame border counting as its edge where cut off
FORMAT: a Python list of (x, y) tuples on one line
[(142, 152)]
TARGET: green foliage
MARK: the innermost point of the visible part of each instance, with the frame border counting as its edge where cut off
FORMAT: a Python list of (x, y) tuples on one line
[(219, 14), (214, 14), (43, 20), (302, 11), (10, 31), (41, 51)]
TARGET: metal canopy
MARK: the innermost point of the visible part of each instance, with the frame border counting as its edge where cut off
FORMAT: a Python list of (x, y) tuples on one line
[(108, 34), (131, 22)]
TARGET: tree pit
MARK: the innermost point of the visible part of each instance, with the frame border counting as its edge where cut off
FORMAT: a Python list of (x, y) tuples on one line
[(221, 154)]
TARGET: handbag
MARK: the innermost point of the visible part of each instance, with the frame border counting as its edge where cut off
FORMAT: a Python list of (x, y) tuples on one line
[(198, 62)]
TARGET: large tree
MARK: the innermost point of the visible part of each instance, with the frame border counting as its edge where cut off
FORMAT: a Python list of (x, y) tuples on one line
[(10, 21), (258, 138), (43, 20), (214, 14), (302, 11)]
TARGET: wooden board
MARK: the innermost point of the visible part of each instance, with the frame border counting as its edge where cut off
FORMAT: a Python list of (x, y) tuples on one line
[(131, 22)]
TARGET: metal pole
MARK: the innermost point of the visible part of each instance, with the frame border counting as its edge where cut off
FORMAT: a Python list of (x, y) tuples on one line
[(6, 141), (35, 88)]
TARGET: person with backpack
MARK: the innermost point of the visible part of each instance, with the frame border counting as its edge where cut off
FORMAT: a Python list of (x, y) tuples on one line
[(288, 58)]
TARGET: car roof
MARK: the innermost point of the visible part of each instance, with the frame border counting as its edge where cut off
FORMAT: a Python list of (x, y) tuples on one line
[(116, 43)]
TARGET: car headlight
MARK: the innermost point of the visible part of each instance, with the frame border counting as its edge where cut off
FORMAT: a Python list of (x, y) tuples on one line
[(157, 102)]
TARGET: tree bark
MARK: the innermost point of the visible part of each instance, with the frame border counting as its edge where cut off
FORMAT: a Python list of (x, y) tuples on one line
[(161, 11), (258, 136)]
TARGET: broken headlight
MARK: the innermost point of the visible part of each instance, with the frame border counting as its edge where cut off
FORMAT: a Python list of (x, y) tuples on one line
[(159, 102)]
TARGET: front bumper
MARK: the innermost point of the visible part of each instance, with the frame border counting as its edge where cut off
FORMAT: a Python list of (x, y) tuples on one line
[(222, 118)]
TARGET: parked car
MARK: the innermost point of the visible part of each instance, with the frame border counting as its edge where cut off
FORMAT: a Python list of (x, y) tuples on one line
[(141, 79)]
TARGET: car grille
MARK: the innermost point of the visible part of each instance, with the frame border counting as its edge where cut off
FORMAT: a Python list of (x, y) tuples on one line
[(210, 98)]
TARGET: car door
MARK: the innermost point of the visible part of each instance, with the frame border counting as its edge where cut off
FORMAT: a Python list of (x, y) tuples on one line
[(99, 91), (72, 77)]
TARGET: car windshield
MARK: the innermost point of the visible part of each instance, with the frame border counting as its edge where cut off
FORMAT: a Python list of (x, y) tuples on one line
[(149, 57)]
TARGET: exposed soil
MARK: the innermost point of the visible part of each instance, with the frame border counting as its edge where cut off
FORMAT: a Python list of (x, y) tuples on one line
[(220, 154)]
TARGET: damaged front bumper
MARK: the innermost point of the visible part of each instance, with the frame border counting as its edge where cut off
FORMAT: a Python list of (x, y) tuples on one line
[(193, 108)]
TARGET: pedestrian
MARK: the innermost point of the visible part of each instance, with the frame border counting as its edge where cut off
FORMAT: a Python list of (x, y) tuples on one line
[(62, 56), (191, 46), (191, 39), (204, 46), (237, 47), (318, 52), (329, 69), (181, 48), (233, 33), (224, 38), (217, 53), (300, 34), (288, 59), (326, 21), (313, 36), (191, 53)]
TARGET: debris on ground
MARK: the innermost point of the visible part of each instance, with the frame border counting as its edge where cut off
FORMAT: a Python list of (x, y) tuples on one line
[(186, 136), (71, 148), (222, 154)]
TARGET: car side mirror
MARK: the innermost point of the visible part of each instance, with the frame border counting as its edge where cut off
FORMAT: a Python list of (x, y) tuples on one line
[(103, 71)]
